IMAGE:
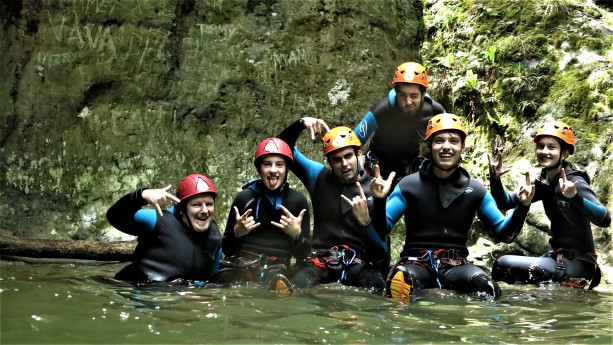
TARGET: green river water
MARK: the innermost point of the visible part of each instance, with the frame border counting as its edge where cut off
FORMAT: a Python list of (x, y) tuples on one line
[(75, 303)]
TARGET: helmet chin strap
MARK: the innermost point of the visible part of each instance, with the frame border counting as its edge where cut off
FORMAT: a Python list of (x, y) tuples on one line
[(558, 164), (183, 212)]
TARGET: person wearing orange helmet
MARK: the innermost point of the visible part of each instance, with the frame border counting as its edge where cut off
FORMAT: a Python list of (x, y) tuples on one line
[(395, 125), (439, 204), (345, 246), (569, 203), (177, 244), (268, 224)]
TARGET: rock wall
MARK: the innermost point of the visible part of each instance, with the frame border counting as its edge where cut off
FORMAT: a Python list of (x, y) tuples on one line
[(101, 97)]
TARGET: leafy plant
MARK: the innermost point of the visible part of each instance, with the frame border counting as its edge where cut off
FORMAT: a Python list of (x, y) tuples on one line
[(490, 54), (449, 60)]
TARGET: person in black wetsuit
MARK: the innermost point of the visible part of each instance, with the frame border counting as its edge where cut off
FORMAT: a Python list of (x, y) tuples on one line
[(397, 123), (439, 204), (345, 245), (269, 222), (181, 243), (569, 203)]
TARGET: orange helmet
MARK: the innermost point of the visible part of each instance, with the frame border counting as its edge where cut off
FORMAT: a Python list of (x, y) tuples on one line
[(444, 122), (559, 130), (411, 72), (340, 137)]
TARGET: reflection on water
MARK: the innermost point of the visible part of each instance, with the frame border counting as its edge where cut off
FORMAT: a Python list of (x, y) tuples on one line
[(73, 303)]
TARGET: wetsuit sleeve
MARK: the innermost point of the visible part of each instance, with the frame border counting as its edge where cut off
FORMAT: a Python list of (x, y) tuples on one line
[(504, 228), (305, 169), (387, 214), (367, 127), (229, 242), (504, 200), (217, 262), (589, 205), (127, 216)]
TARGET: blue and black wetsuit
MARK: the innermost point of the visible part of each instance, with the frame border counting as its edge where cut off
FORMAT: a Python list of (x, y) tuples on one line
[(572, 260), (396, 137), (438, 214), (266, 245), (335, 225), (166, 249)]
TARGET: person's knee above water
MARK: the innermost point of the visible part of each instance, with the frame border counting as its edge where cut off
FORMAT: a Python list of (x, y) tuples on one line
[(439, 204), (182, 242), (569, 203), (396, 124), (345, 245), (269, 222)]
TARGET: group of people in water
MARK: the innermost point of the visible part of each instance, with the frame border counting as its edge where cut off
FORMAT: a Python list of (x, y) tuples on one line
[(413, 169)]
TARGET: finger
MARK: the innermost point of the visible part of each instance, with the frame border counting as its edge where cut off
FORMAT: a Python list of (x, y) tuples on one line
[(238, 216), (527, 178), (286, 211), (165, 189), (500, 160), (325, 125), (301, 214), (377, 171), (246, 214), (277, 225), (361, 190), (312, 133), (391, 177), (173, 198), (489, 158), (563, 175), (157, 207), (347, 199)]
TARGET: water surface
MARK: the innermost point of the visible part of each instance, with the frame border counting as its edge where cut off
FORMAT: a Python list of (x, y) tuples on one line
[(74, 302)]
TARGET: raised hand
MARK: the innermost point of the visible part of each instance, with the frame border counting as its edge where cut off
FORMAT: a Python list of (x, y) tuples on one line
[(496, 169), (525, 192), (289, 223), (314, 125), (159, 198), (359, 206), (244, 223), (568, 188), (380, 187)]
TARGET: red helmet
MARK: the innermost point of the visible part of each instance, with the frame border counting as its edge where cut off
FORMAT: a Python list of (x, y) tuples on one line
[(559, 130), (195, 184), (273, 146)]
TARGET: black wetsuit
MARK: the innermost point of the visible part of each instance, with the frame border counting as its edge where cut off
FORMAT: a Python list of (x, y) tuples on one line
[(335, 225), (572, 260), (276, 246), (438, 214), (396, 137), (166, 249)]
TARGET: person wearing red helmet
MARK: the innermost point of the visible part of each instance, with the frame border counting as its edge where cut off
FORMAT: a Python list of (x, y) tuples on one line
[(345, 246), (569, 203), (177, 244), (395, 125), (439, 204), (269, 222)]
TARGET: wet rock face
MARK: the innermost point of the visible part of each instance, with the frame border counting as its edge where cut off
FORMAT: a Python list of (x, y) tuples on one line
[(101, 97)]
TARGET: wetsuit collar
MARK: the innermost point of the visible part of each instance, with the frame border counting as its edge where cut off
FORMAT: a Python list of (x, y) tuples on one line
[(274, 196), (450, 188)]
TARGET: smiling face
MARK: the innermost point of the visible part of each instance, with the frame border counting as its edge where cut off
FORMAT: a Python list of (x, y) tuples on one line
[(344, 164), (272, 170), (409, 97), (200, 210), (447, 148), (548, 151)]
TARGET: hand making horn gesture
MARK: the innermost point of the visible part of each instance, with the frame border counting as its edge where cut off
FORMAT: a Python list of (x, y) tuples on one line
[(496, 169), (359, 206), (380, 187), (568, 188), (244, 223), (525, 191), (314, 125), (290, 224), (159, 198)]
